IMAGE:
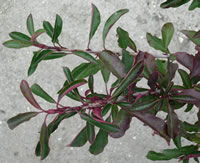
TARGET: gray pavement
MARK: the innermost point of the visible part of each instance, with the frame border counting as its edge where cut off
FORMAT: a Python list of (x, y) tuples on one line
[(18, 146)]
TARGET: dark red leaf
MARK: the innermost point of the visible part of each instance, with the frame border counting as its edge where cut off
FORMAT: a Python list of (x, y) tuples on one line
[(112, 62), (26, 91), (122, 120), (157, 124), (172, 70), (185, 59), (193, 93), (153, 80), (196, 66)]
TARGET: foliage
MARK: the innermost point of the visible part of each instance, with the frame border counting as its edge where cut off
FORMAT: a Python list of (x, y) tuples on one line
[(177, 3), (113, 111)]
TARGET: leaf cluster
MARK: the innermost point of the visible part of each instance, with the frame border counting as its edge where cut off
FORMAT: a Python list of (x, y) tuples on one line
[(109, 114)]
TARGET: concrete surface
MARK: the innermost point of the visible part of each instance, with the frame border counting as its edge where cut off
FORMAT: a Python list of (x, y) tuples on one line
[(18, 146)]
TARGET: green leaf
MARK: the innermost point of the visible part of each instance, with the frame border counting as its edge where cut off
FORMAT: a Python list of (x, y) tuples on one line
[(30, 25), (111, 21), (37, 90), (123, 39), (169, 154), (191, 127), (20, 37), (197, 88), (53, 127), (131, 77), (96, 19), (195, 159), (16, 44), (71, 94), (57, 28), (155, 42), (173, 3), (85, 56), (55, 123), (100, 142), (189, 107), (194, 4), (162, 66), (194, 137), (54, 55), (90, 133), (37, 58), (177, 141), (127, 60), (186, 161), (185, 78), (70, 87), (173, 125), (106, 109), (132, 45), (80, 139), (70, 79), (114, 111), (105, 73), (84, 70), (48, 28), (105, 126), (183, 98), (190, 35), (167, 34), (68, 74), (44, 142), (20, 118), (143, 105), (91, 83), (112, 63)]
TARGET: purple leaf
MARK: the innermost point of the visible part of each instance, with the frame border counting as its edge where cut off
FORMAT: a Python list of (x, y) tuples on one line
[(196, 66), (153, 80), (26, 91), (191, 36), (172, 70), (185, 59), (122, 120), (192, 93), (149, 61), (157, 124), (139, 57), (112, 63)]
